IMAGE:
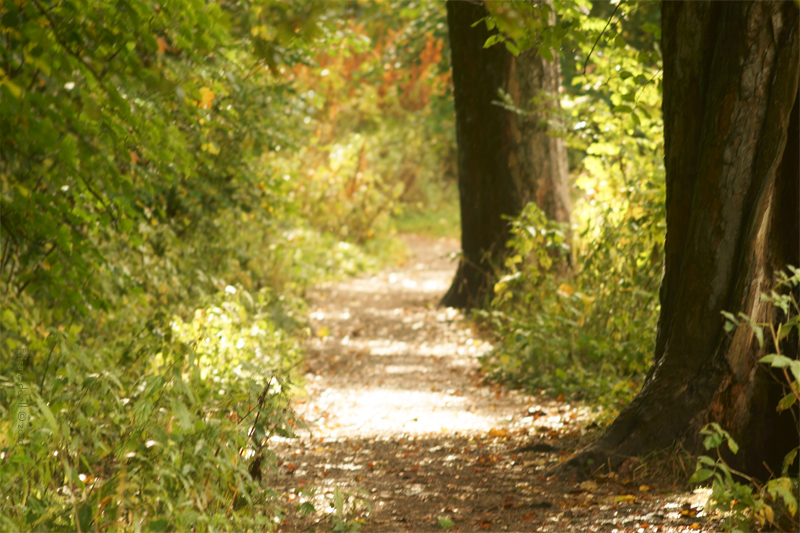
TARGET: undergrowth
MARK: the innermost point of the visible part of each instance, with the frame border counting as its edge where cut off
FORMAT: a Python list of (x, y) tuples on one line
[(741, 500), (576, 308), (173, 178)]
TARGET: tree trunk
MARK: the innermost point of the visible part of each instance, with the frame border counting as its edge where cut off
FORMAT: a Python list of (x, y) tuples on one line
[(733, 222), (505, 159)]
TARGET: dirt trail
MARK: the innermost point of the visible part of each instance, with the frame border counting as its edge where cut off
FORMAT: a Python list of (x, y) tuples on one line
[(401, 422)]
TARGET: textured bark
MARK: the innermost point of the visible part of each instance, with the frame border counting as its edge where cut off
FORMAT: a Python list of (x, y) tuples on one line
[(505, 159), (731, 154)]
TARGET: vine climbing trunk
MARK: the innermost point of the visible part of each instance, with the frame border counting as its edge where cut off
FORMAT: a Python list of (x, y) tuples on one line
[(733, 223), (506, 158)]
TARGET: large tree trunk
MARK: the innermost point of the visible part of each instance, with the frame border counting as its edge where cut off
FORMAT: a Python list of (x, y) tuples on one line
[(505, 159), (733, 222)]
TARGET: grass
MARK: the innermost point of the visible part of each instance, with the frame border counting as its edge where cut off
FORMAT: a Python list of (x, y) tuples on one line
[(437, 221)]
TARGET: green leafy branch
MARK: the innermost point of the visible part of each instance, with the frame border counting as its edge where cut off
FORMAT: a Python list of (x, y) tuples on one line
[(739, 500)]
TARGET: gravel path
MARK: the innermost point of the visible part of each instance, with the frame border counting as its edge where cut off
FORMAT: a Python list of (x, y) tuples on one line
[(403, 428)]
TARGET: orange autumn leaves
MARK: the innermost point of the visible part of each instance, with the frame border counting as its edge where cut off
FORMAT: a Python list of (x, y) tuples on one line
[(337, 73)]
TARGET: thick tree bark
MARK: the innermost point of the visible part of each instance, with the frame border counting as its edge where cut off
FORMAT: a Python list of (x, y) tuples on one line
[(505, 159), (733, 222)]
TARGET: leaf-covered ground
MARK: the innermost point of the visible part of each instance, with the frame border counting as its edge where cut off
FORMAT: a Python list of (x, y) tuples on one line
[(402, 423)]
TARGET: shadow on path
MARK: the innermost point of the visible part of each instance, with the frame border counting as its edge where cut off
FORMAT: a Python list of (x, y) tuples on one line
[(401, 422)]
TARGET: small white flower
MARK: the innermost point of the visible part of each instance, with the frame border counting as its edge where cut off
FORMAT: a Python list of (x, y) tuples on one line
[(230, 289), (69, 85)]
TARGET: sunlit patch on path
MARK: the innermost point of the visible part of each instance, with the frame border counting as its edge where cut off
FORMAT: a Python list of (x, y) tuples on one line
[(400, 421)]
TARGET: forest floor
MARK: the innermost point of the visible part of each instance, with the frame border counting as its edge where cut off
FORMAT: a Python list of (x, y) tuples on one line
[(403, 424)]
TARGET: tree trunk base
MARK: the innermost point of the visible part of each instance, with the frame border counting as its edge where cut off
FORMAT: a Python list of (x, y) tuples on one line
[(470, 286)]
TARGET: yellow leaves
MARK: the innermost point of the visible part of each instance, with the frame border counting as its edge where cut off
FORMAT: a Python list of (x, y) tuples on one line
[(14, 89), (210, 147), (263, 31), (566, 289), (498, 432), (766, 514), (323, 332), (630, 498), (206, 97)]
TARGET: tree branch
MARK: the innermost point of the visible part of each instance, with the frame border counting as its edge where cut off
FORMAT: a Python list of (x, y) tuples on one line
[(585, 63)]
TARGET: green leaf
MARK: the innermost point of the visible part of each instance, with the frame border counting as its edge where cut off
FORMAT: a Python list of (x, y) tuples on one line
[(338, 502), (732, 444), (783, 487), (445, 522), (759, 331), (789, 460), (511, 47), (185, 418), (649, 27), (492, 40), (48, 415), (14, 89), (794, 366), (768, 359), (786, 328), (474, 24), (777, 361), (158, 525), (701, 475), (306, 508), (786, 402), (622, 109), (704, 459), (9, 320)]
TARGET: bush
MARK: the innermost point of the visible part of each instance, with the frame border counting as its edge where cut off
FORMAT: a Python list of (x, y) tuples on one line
[(166, 433)]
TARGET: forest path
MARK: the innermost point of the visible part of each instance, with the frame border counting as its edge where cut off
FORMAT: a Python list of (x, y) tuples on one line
[(401, 422)]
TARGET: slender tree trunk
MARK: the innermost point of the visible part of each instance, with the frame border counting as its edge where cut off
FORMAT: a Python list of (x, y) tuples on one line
[(733, 222), (505, 159)]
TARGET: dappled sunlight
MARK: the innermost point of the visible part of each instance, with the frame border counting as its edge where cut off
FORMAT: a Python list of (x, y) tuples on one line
[(398, 415)]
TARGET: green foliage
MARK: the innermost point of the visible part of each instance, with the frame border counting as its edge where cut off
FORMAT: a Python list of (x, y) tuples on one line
[(776, 500), (437, 217), (589, 328), (444, 522), (153, 250), (377, 102), (342, 518), (168, 433), (743, 503)]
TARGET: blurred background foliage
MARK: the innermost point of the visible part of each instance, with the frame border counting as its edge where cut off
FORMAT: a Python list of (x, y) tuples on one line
[(174, 175)]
